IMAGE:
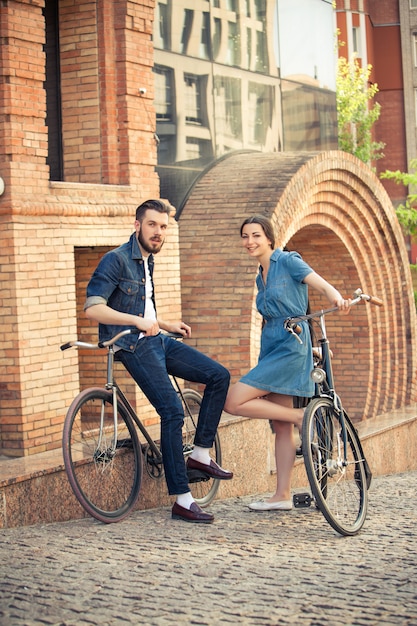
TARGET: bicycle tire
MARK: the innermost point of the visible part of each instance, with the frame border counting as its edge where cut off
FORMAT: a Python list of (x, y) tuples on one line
[(338, 485), (105, 481), (203, 491)]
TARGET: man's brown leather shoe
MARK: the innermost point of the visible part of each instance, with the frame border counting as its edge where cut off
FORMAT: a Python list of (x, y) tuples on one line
[(194, 514), (213, 470)]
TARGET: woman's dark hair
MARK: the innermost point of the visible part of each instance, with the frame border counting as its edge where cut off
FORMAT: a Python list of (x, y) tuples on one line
[(265, 224), (155, 205)]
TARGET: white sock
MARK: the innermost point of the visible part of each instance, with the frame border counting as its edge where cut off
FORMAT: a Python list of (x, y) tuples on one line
[(185, 500), (202, 455)]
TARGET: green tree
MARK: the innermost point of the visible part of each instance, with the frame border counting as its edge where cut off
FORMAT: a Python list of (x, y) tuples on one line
[(406, 213), (356, 116)]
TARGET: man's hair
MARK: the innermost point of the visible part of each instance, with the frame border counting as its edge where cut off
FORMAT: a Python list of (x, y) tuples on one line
[(265, 224), (155, 205)]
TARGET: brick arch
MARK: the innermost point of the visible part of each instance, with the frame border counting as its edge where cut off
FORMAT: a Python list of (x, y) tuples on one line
[(336, 213)]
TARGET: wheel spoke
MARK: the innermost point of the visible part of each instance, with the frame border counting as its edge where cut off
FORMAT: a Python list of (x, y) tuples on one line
[(338, 483), (105, 477)]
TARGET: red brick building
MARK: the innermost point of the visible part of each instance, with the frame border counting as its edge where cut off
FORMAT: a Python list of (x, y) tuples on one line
[(383, 33)]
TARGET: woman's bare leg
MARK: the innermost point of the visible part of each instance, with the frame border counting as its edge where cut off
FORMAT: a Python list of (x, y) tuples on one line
[(247, 401), (284, 452)]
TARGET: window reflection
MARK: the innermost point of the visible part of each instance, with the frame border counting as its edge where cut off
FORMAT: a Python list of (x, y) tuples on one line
[(163, 93), (186, 30), (192, 99), (219, 70), (205, 37)]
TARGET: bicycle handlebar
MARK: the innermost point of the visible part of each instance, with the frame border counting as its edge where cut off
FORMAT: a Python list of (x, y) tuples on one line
[(112, 341), (291, 323)]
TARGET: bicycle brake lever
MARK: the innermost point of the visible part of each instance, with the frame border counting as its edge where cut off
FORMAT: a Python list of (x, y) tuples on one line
[(292, 332)]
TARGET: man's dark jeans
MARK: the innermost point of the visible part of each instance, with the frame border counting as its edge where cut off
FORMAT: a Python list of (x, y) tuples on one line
[(150, 365)]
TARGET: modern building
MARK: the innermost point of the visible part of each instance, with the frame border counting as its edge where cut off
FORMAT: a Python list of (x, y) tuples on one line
[(240, 75)]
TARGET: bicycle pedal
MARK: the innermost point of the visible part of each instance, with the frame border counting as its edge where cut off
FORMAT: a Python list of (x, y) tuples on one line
[(302, 500), (195, 476)]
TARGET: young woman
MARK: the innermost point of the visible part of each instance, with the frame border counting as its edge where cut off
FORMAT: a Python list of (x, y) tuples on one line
[(284, 366)]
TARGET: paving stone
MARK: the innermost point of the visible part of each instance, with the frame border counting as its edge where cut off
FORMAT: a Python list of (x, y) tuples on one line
[(248, 568)]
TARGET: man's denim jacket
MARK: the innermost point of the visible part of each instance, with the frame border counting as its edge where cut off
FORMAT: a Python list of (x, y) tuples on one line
[(119, 281)]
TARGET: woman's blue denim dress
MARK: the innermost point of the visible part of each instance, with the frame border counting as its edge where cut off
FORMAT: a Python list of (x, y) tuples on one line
[(284, 364)]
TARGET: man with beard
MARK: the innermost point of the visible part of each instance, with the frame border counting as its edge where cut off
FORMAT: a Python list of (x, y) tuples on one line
[(120, 295)]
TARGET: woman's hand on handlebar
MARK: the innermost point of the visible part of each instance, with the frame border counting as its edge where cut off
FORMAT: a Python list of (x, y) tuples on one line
[(343, 304)]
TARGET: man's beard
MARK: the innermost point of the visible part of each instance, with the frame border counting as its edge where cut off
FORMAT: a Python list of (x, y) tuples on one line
[(148, 248)]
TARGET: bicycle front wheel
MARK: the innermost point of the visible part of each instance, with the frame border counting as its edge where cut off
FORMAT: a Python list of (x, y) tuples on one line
[(103, 461), (335, 467), (202, 487)]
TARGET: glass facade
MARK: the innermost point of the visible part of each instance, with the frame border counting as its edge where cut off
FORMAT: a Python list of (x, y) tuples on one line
[(240, 75)]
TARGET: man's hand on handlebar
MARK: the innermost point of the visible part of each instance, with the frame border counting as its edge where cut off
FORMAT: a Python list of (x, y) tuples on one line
[(179, 328), (149, 327)]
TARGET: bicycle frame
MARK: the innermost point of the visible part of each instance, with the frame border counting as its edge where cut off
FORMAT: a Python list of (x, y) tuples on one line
[(118, 395), (323, 377)]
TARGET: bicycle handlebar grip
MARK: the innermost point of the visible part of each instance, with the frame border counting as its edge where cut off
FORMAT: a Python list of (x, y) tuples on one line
[(65, 346), (376, 301)]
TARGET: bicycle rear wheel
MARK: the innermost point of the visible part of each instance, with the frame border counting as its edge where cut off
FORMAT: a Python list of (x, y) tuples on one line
[(202, 487), (105, 476), (337, 479)]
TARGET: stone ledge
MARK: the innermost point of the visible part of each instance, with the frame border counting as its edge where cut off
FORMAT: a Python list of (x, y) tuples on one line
[(35, 489)]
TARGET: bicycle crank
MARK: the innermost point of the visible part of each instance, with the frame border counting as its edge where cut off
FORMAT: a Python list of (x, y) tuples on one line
[(154, 464)]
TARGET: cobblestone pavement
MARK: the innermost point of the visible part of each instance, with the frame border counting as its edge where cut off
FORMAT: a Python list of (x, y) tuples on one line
[(247, 568)]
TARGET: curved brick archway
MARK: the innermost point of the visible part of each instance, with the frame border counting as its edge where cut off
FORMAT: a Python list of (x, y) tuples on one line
[(335, 212)]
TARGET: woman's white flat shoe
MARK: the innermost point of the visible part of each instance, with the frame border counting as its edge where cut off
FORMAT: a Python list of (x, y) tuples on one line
[(282, 505)]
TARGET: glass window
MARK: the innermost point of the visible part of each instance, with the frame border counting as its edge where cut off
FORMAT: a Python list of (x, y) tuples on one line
[(205, 37), (228, 108), (166, 150), (232, 44), (261, 52), (197, 148), (356, 42), (162, 27), (186, 30), (248, 48), (260, 112), (415, 48), (260, 9), (217, 36), (192, 99), (163, 94), (413, 4)]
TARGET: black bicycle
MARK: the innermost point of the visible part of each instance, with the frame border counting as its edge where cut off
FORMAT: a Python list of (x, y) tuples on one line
[(102, 451), (336, 467)]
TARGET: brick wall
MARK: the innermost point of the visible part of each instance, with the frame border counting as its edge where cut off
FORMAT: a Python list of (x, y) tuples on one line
[(333, 210), (52, 233)]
